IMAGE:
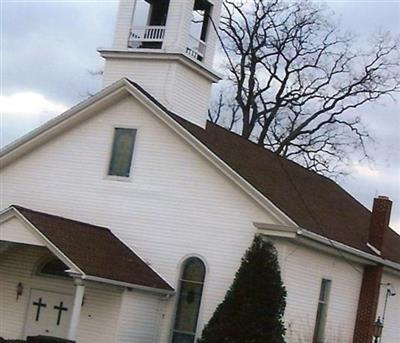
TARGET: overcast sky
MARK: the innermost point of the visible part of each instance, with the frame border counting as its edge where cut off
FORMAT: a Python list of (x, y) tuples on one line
[(48, 52)]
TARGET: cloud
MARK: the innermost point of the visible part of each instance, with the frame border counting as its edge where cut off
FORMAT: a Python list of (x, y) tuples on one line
[(28, 104), (367, 182), (395, 224), (23, 111), (49, 55), (365, 171)]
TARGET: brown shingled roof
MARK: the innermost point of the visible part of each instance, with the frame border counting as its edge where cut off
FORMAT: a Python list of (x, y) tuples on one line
[(335, 213), (95, 250)]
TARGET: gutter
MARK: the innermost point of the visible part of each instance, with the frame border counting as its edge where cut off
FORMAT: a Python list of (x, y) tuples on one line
[(296, 233), (346, 248), (129, 285)]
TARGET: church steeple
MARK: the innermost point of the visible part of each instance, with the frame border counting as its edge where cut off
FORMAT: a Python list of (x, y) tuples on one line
[(168, 47)]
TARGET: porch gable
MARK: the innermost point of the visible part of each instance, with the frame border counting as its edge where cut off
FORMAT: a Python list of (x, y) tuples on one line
[(14, 230), (90, 252)]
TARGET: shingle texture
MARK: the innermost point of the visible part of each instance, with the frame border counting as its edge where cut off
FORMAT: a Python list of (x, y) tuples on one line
[(95, 250)]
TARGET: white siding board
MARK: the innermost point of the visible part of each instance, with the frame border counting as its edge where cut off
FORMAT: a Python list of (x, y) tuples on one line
[(175, 204), (391, 330), (191, 95), (175, 85), (302, 271), (123, 24), (178, 25), (154, 76), (141, 315)]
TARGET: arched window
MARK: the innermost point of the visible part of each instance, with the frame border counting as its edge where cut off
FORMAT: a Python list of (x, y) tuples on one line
[(190, 291), (53, 267)]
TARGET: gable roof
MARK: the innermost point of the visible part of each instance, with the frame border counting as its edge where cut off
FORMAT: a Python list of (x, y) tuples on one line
[(324, 207), (264, 175), (338, 216), (94, 250)]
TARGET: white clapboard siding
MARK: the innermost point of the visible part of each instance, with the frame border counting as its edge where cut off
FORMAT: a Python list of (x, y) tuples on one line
[(303, 269), (13, 230), (175, 205), (155, 76), (123, 23), (178, 25), (391, 330), (194, 103), (176, 86), (140, 318), (19, 263)]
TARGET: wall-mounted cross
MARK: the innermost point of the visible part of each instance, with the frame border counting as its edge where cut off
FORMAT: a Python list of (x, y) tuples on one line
[(60, 309), (39, 305)]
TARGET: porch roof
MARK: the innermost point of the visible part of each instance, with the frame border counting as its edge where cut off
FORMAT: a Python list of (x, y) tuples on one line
[(95, 250)]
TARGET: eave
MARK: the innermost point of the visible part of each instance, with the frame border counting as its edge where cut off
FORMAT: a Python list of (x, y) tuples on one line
[(151, 54), (309, 238)]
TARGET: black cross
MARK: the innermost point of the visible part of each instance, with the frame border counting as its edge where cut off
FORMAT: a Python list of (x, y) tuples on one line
[(60, 309), (39, 305)]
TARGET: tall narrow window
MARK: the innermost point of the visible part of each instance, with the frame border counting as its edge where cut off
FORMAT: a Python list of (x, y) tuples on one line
[(190, 292), (122, 152), (319, 331)]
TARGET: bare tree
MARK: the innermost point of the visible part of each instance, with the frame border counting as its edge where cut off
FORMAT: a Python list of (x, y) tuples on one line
[(296, 80)]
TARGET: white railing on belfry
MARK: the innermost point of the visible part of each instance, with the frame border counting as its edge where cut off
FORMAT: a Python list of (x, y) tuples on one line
[(140, 34), (196, 48)]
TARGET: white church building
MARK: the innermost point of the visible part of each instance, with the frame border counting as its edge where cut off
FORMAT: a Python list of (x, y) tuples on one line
[(124, 219)]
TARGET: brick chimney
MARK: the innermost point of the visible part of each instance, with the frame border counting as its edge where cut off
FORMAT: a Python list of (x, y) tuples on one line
[(372, 274), (379, 223), (367, 304)]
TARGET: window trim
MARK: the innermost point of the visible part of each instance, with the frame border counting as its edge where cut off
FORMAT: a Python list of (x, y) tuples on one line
[(110, 151), (325, 304), (200, 320), (42, 262)]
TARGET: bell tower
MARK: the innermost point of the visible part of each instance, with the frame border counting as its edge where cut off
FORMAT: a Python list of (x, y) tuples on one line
[(168, 48)]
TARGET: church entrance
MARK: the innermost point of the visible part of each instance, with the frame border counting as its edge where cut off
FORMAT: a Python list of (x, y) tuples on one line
[(48, 314)]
